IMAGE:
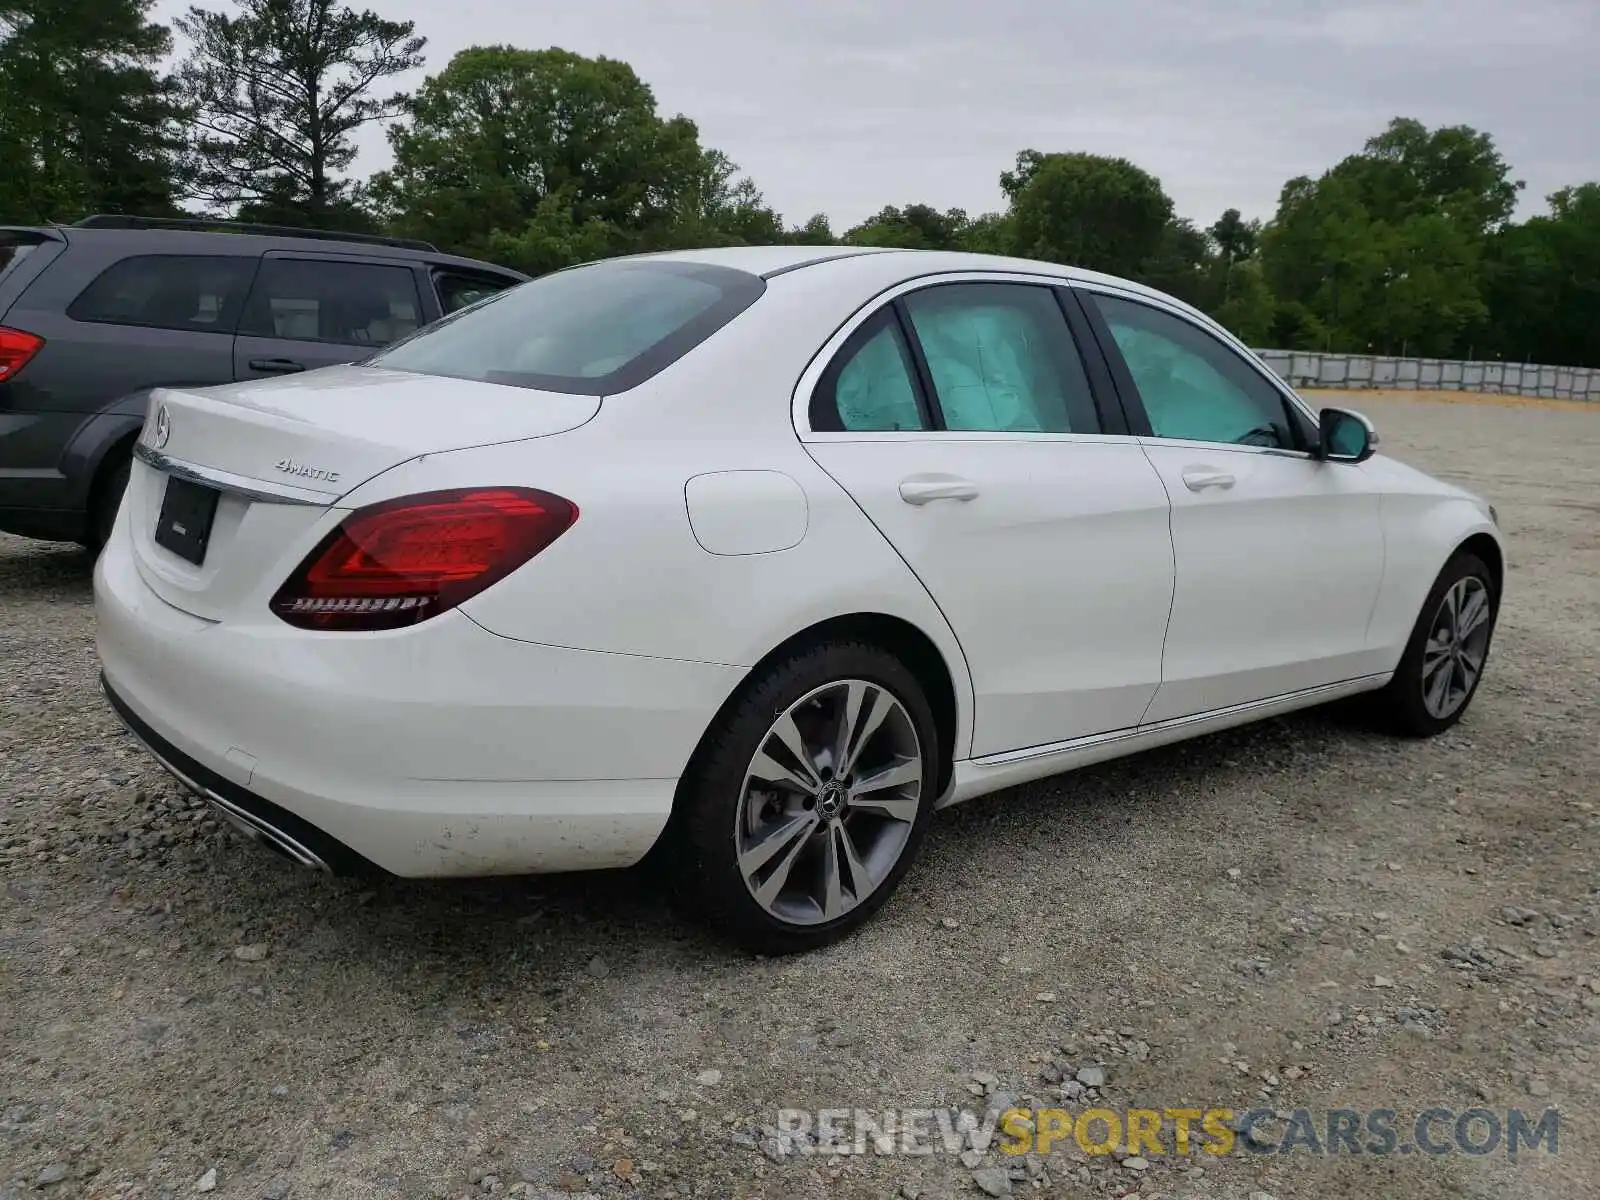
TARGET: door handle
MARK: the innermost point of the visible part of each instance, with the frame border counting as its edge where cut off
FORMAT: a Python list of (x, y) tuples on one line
[(921, 489), (1199, 481), (276, 366)]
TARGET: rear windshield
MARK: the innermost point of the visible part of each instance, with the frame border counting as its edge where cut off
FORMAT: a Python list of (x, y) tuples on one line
[(590, 330)]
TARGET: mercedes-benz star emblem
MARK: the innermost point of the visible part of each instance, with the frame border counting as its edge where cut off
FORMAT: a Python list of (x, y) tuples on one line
[(163, 429)]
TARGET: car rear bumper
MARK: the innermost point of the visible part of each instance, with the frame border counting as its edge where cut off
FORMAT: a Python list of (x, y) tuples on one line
[(440, 750)]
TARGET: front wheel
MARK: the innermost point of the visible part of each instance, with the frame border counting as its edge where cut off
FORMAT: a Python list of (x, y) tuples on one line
[(1448, 651), (805, 806)]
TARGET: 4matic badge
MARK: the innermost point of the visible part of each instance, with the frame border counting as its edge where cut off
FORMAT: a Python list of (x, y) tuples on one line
[(289, 467)]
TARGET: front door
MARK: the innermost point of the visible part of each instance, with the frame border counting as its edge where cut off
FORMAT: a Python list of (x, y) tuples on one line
[(959, 417), (1279, 555)]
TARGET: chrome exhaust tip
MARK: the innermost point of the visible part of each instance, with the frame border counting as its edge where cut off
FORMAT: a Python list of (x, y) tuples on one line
[(254, 827)]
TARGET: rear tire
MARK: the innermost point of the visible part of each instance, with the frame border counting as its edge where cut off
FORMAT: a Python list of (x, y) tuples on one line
[(1448, 652), (781, 853), (106, 499)]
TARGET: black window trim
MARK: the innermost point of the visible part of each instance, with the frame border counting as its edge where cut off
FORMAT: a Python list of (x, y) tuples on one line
[(405, 266), (741, 289), (1108, 411), (1299, 421), (249, 274)]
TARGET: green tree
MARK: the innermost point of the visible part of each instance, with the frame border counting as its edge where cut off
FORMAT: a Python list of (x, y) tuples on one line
[(991, 233), (1247, 309), (1385, 250), (1543, 284), (1235, 237), (720, 207), (550, 149), (277, 93), (817, 231), (1182, 265), (1087, 210), (914, 227), (88, 123)]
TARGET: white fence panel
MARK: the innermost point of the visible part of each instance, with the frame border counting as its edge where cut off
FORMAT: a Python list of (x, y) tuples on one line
[(1310, 369)]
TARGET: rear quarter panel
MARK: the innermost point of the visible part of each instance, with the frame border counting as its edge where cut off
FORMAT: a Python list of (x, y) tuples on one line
[(631, 577)]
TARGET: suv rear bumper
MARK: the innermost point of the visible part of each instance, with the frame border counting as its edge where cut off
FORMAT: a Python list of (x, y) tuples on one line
[(48, 466)]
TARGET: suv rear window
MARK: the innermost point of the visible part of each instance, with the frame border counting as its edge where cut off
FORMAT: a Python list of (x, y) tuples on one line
[(589, 331), (198, 293), (13, 252)]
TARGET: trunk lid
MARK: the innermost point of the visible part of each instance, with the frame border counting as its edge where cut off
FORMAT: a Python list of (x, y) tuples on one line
[(283, 452)]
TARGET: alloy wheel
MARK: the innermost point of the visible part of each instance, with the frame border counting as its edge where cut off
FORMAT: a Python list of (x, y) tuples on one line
[(1457, 645), (829, 802)]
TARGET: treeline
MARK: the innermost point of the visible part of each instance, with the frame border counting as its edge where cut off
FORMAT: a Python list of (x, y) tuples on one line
[(542, 158)]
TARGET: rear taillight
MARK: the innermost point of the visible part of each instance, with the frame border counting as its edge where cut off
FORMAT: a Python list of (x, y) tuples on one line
[(403, 561), (16, 348)]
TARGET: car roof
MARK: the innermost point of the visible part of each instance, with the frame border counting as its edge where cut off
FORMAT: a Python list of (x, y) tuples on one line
[(180, 241), (768, 261)]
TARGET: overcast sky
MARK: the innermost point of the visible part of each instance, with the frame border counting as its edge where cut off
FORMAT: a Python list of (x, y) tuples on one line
[(843, 106)]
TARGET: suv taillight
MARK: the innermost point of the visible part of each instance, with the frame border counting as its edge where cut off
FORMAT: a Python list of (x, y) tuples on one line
[(16, 348), (403, 561)]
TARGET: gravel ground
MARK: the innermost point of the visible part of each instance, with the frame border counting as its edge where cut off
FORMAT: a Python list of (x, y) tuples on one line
[(1301, 914)]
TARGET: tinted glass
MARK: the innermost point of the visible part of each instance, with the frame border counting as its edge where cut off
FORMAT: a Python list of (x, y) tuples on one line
[(12, 253), (316, 300), (872, 387), (200, 294), (1192, 385), (457, 291), (590, 330), (1002, 359)]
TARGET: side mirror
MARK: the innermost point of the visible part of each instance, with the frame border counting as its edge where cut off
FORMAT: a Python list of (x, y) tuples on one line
[(1345, 436)]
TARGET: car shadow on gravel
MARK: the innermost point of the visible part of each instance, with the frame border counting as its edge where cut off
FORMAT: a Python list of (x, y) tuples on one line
[(60, 569), (544, 931)]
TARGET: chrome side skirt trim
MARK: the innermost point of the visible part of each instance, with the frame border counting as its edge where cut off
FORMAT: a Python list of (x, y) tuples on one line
[(974, 777), (1308, 695), (235, 485)]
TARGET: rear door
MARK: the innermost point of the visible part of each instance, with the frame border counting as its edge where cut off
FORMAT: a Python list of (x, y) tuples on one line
[(961, 417), (311, 310), (112, 324)]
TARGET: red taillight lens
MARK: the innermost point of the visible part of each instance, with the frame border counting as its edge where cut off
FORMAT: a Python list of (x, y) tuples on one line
[(403, 561), (16, 348)]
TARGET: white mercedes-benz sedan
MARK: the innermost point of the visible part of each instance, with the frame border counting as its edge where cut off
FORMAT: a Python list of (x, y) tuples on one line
[(749, 560)]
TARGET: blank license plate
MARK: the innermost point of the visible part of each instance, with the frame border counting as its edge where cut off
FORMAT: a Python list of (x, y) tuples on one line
[(187, 511)]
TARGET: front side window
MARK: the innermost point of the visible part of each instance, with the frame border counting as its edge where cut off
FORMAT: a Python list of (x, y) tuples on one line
[(1192, 385), (354, 304), (590, 330), (1002, 359), (200, 294)]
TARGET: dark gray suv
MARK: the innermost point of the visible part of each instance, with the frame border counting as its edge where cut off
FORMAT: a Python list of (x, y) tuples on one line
[(94, 315)]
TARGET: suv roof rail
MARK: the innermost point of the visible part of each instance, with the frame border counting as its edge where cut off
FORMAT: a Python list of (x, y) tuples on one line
[(202, 225)]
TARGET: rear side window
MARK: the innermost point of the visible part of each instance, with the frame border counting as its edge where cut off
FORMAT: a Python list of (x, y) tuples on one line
[(871, 387), (589, 331), (326, 300), (12, 252), (457, 291), (202, 294), (1002, 359)]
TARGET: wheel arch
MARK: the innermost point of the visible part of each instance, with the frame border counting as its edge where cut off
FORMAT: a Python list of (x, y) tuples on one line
[(921, 656), (1487, 548)]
